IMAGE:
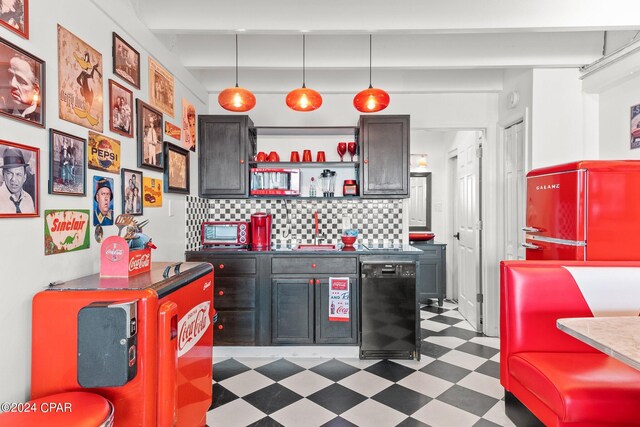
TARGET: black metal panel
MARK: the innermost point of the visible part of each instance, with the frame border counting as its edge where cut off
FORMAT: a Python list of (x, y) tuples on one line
[(107, 343)]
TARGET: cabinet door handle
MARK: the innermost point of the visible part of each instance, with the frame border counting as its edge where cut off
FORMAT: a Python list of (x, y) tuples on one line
[(314, 265), (311, 281), (220, 327), (242, 161), (366, 161), (317, 281), (220, 293), (221, 266)]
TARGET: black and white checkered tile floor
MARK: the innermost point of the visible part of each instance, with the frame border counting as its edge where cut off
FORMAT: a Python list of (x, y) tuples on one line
[(456, 383)]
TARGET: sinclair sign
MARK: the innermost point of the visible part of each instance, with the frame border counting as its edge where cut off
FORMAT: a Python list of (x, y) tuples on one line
[(66, 231)]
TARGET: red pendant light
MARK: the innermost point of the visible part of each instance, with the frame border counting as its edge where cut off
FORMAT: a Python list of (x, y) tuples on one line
[(372, 99), (237, 99), (303, 98)]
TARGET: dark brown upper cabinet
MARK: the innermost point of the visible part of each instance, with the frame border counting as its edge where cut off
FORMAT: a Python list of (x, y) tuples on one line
[(225, 144), (384, 147)]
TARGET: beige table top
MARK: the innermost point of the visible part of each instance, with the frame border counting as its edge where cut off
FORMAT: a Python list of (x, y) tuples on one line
[(618, 337)]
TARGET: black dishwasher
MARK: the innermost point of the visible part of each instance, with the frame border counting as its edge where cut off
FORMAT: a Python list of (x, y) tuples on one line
[(389, 322)]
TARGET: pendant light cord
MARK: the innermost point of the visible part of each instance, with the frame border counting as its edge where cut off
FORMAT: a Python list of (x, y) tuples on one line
[(236, 60), (303, 57), (370, 62)]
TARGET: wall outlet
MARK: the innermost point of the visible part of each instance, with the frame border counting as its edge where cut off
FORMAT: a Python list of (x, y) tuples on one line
[(170, 206)]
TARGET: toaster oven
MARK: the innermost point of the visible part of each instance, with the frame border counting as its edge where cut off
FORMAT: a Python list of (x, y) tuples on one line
[(225, 233)]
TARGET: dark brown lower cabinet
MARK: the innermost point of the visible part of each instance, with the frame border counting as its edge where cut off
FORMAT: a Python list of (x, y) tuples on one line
[(432, 279), (300, 312)]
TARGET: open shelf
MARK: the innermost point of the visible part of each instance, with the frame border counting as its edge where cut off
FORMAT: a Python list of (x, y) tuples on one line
[(304, 164), (305, 130)]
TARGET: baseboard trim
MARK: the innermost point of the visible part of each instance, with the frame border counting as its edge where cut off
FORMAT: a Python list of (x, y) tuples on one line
[(223, 352)]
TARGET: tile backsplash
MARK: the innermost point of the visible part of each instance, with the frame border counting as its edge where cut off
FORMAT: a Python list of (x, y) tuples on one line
[(378, 221)]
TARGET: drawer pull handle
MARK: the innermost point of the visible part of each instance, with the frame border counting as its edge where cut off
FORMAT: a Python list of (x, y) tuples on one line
[(241, 162), (220, 327), (221, 266), (220, 293), (313, 265)]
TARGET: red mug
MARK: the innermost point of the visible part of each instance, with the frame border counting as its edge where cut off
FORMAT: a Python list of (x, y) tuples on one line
[(295, 156), (321, 157), (261, 157), (306, 156), (273, 157)]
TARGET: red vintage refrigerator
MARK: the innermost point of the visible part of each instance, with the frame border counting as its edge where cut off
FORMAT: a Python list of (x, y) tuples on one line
[(143, 342), (585, 210)]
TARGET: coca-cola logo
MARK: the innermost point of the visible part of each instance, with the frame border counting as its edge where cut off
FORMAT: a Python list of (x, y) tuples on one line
[(192, 326), (139, 262), (343, 310), (114, 253)]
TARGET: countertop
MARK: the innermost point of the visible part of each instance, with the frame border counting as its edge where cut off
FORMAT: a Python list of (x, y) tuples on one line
[(356, 249)]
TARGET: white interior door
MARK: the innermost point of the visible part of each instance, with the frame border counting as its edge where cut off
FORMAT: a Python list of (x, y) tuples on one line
[(514, 191), (468, 209), (454, 218)]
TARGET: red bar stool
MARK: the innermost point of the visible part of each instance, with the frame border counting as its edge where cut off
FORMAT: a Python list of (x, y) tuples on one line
[(71, 409)]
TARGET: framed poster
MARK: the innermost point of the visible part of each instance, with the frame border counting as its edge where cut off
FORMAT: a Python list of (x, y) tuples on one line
[(149, 136), (160, 87), (635, 126), (188, 125), (131, 192), (19, 191), (66, 231), (176, 174), (171, 130), (79, 82), (104, 153), (102, 201), (152, 189), (126, 61), (67, 164), (120, 109), (22, 88), (14, 15)]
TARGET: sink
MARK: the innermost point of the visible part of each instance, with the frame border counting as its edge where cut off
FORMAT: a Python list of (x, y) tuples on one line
[(315, 248)]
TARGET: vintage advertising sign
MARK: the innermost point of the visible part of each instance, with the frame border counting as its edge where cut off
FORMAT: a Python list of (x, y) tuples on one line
[(66, 231), (80, 93), (103, 153), (160, 87), (171, 130), (188, 125), (339, 299), (152, 190), (192, 326), (635, 126)]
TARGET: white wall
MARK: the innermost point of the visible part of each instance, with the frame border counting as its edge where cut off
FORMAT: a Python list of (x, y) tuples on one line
[(557, 117), (614, 118), (27, 270)]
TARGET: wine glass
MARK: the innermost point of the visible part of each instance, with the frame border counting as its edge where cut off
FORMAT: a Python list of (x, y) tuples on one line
[(352, 149), (342, 149)]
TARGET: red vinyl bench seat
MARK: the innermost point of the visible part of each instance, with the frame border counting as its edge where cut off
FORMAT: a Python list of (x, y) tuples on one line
[(559, 379)]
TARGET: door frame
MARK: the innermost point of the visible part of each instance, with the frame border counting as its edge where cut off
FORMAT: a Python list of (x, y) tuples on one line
[(452, 226)]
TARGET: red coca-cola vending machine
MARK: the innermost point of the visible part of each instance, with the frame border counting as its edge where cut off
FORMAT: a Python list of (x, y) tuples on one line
[(143, 342), (586, 210)]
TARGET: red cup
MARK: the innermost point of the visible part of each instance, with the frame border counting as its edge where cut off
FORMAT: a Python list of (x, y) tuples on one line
[(321, 157), (306, 156), (273, 157), (295, 156), (261, 157)]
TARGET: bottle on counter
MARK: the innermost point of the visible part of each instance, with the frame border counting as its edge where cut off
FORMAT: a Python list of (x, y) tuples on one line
[(312, 188)]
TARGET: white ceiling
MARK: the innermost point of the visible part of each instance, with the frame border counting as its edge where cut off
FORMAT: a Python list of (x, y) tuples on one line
[(418, 45)]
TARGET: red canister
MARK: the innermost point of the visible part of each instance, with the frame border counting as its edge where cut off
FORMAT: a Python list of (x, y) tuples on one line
[(350, 187)]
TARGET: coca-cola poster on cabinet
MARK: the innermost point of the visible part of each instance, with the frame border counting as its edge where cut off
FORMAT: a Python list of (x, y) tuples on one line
[(338, 299)]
